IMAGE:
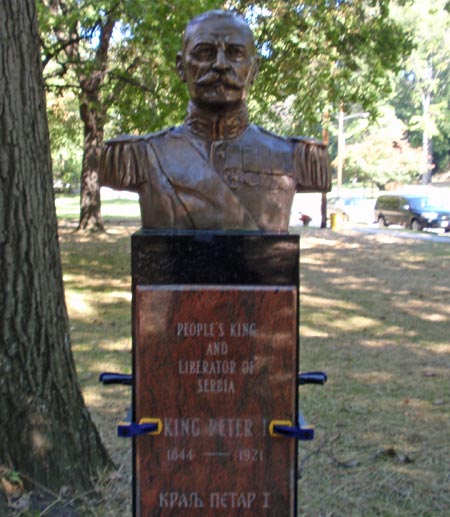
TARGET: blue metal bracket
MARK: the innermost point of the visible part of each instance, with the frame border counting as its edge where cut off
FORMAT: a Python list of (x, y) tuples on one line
[(312, 378), (116, 378), (302, 431), (302, 378), (151, 426)]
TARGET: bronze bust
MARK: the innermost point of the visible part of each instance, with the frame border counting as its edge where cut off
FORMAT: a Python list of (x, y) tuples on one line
[(216, 171)]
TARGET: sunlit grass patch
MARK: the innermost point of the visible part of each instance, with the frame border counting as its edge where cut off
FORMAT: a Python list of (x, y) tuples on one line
[(68, 207), (380, 330)]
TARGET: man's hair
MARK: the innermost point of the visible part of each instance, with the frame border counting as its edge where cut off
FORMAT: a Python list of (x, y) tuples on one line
[(215, 13)]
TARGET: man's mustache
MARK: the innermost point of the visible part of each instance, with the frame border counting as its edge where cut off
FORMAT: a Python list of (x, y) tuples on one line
[(213, 78)]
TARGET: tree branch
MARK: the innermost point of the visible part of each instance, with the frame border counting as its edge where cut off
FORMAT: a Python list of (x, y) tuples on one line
[(130, 80), (64, 45)]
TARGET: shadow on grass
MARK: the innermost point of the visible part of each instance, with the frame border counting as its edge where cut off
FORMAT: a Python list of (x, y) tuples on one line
[(374, 315), (97, 281)]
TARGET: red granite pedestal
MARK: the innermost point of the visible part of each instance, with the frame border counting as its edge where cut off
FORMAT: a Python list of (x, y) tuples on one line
[(215, 365)]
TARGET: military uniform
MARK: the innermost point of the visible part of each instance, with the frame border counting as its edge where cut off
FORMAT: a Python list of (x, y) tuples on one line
[(215, 173)]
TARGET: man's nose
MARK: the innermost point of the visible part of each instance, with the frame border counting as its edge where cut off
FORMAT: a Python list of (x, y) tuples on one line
[(221, 62)]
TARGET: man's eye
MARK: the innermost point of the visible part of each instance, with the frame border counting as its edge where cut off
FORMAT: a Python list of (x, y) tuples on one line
[(204, 53), (235, 52)]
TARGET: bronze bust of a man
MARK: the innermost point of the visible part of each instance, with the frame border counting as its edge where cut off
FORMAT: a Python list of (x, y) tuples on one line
[(216, 171)]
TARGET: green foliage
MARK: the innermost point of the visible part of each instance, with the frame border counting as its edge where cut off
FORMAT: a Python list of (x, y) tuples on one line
[(384, 154), (314, 53), (140, 90), (146, 91), (323, 53), (66, 142), (426, 75)]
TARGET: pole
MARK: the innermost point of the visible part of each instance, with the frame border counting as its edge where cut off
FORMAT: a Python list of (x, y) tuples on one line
[(326, 141), (341, 148)]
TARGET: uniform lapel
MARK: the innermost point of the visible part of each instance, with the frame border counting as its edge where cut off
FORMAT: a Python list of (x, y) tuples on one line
[(206, 197)]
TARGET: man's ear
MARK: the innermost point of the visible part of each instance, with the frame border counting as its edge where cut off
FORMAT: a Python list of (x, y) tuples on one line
[(180, 67)]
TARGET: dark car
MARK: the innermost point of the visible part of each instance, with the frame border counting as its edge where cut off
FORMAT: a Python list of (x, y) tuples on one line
[(415, 211)]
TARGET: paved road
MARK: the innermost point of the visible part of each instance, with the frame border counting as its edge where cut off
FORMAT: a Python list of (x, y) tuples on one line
[(393, 231), (404, 234), (309, 203), (397, 232)]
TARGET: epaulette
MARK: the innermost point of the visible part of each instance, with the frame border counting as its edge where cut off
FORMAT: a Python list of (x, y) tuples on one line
[(307, 140), (270, 133), (293, 139), (125, 139)]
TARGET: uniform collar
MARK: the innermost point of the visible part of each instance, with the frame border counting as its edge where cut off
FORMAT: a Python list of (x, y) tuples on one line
[(217, 126)]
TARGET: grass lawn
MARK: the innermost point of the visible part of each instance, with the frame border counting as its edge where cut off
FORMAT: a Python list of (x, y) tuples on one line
[(375, 315), (115, 209)]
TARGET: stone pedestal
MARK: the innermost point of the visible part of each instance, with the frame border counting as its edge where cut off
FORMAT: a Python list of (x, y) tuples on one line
[(215, 362)]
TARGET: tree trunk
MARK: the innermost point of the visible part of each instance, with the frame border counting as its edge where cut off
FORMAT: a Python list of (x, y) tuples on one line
[(341, 148), (426, 138), (427, 143), (90, 204), (93, 115), (47, 432), (326, 141)]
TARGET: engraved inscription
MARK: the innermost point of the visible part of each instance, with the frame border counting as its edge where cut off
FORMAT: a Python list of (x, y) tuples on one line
[(232, 499), (215, 386), (206, 367), (230, 427), (181, 427), (180, 500), (214, 500), (218, 372), (214, 365), (216, 329), (213, 427)]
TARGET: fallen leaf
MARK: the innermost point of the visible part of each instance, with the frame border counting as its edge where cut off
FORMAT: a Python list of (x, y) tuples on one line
[(12, 490)]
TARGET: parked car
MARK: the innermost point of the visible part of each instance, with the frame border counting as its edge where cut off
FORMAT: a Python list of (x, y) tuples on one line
[(414, 211), (355, 209)]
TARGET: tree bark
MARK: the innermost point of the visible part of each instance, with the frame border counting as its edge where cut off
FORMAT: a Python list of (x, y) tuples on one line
[(90, 203), (47, 432), (93, 115), (326, 141), (427, 142), (426, 138)]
